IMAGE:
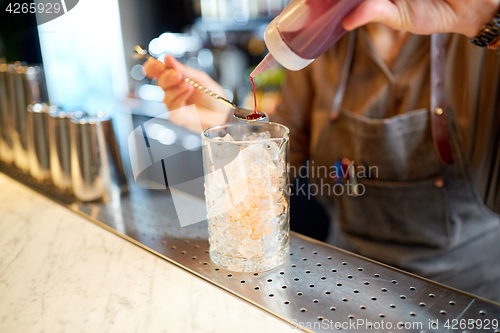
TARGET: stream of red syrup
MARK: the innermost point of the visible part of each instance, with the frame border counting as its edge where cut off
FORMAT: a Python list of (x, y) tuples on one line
[(255, 115)]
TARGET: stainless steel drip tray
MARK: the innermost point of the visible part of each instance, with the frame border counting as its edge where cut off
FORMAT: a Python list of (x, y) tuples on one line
[(320, 288)]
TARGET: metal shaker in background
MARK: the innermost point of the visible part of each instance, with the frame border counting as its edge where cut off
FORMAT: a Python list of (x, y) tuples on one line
[(27, 87), (60, 148), (96, 165), (6, 121), (37, 132)]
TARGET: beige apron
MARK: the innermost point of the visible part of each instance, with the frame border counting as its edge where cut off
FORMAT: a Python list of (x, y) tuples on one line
[(416, 212)]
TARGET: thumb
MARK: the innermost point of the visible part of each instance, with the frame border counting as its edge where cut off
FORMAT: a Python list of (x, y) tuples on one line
[(171, 62), (383, 11)]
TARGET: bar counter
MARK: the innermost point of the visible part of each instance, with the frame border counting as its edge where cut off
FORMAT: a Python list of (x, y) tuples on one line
[(60, 273)]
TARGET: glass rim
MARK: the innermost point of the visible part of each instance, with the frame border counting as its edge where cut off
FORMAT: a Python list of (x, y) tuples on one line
[(213, 128)]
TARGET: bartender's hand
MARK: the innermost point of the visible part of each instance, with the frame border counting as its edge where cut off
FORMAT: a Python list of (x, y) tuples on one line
[(426, 17), (178, 93)]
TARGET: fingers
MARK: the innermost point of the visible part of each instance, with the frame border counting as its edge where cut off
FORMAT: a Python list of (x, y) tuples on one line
[(177, 96), (383, 11), (171, 62), (153, 68), (170, 78)]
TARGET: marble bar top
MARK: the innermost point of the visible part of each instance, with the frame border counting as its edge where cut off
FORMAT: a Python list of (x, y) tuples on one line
[(61, 273)]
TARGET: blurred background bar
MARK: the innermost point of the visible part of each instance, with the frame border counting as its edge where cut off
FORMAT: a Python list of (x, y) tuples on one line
[(86, 56)]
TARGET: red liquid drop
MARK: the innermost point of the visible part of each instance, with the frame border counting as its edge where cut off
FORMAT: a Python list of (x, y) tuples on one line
[(255, 115)]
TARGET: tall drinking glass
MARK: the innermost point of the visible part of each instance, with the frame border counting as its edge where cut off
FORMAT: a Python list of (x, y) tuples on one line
[(246, 183)]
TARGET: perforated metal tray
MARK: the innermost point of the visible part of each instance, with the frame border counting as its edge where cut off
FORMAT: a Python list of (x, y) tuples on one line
[(320, 288)]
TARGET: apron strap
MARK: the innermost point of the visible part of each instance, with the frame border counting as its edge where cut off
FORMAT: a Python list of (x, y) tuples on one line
[(438, 99), (339, 95)]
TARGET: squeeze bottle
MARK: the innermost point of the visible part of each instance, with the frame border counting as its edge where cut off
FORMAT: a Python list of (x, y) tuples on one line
[(303, 31)]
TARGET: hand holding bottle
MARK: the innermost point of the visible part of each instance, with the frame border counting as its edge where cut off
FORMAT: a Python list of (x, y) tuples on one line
[(425, 17)]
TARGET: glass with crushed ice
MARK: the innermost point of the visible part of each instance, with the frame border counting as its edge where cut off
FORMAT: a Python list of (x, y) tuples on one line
[(246, 178)]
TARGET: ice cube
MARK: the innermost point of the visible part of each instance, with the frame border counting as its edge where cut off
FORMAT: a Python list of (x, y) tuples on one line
[(222, 152), (257, 136), (226, 138), (257, 161)]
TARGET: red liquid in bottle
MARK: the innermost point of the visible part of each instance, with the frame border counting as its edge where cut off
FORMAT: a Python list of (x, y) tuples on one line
[(310, 27), (255, 115)]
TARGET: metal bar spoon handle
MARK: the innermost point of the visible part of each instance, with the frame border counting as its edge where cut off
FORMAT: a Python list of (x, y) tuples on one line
[(248, 115)]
